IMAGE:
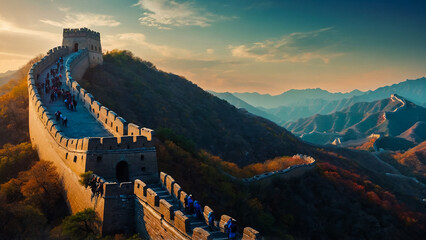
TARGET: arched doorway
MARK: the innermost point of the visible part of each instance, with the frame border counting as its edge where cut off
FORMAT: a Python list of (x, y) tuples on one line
[(122, 171), (75, 47)]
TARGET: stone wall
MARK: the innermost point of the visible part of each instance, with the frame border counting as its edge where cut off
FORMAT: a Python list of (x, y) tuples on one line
[(75, 156)]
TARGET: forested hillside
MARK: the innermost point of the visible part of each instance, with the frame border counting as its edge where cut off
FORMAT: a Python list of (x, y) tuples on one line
[(155, 99), (31, 203)]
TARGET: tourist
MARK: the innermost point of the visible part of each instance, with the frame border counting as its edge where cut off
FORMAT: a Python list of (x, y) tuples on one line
[(65, 121), (210, 219), (190, 204), (198, 211)]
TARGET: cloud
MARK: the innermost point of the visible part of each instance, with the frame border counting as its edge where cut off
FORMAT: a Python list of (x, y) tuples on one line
[(128, 39), (63, 9), (11, 28), (209, 51), (76, 20), (295, 47), (164, 14)]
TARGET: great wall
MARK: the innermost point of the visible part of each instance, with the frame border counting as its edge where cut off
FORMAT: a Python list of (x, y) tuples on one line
[(135, 197)]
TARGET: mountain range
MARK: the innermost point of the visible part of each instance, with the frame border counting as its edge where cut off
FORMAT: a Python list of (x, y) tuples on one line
[(391, 117), (295, 104)]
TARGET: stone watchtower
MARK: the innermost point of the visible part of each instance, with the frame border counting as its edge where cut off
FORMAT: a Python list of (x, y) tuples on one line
[(83, 38)]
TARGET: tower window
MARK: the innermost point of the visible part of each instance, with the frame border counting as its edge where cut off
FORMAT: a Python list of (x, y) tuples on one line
[(75, 158), (92, 47), (142, 157)]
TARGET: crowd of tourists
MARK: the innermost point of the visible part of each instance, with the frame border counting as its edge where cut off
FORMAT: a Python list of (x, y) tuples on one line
[(194, 208), (96, 185), (52, 85)]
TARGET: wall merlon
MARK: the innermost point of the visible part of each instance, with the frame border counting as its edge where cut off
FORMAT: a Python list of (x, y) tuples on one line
[(120, 126), (163, 176), (72, 144), (201, 234), (133, 129), (111, 117), (206, 212), (251, 234), (169, 184), (181, 221), (176, 191), (182, 198), (96, 107), (166, 209), (147, 133), (152, 198), (88, 98), (140, 189), (223, 220)]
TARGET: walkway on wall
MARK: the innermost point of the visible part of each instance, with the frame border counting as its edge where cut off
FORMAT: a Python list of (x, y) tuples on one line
[(81, 123), (194, 221)]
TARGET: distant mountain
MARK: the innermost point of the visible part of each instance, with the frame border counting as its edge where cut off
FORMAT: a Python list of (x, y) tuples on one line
[(295, 104), (415, 134), (292, 97), (7, 76), (230, 98), (156, 99), (391, 117)]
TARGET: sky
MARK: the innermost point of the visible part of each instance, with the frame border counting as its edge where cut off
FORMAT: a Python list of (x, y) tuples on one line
[(237, 45)]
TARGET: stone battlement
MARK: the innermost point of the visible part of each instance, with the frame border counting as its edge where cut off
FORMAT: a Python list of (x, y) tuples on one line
[(171, 211), (81, 32)]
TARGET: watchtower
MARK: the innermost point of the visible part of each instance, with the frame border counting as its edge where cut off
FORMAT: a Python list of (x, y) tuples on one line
[(84, 38)]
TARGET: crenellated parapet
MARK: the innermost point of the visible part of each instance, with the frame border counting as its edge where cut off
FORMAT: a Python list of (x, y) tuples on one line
[(169, 207), (81, 32)]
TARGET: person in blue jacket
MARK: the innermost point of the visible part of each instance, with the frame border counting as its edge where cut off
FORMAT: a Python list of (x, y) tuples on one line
[(190, 204), (198, 211)]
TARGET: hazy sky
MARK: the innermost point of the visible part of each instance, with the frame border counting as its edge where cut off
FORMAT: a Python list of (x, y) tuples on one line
[(237, 45)]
